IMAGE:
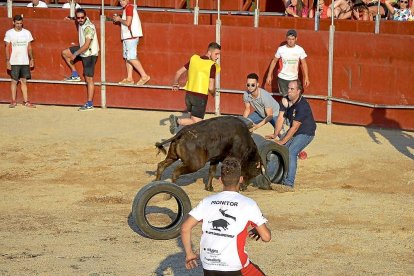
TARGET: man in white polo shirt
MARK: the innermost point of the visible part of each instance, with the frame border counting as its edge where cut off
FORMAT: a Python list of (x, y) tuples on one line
[(291, 55)]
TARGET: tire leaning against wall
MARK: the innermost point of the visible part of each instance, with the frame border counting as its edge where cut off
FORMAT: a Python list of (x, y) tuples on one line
[(143, 197)]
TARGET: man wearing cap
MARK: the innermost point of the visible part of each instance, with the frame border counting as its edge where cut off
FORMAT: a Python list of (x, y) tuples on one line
[(290, 54)]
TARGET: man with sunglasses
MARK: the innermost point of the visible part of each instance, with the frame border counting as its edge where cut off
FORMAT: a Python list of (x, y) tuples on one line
[(87, 51), (266, 109)]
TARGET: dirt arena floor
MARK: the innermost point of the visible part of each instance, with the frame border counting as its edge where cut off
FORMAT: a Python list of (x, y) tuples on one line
[(68, 178)]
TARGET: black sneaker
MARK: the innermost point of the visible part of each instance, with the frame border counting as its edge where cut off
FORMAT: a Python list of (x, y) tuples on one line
[(173, 123)]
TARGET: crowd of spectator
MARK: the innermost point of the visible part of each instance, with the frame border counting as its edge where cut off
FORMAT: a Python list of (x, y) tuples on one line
[(398, 10)]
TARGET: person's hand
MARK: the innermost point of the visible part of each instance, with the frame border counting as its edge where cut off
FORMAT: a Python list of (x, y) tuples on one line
[(175, 87), (31, 63), (269, 80), (279, 142), (253, 128), (270, 136), (191, 261), (254, 235), (116, 18), (8, 65), (306, 82)]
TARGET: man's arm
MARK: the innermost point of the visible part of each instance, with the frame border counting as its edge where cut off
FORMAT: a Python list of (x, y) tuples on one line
[(127, 22), (271, 68), (305, 72), (290, 133), (268, 118), (186, 228), (246, 111), (8, 55), (30, 52), (82, 48), (278, 126), (212, 87), (177, 76)]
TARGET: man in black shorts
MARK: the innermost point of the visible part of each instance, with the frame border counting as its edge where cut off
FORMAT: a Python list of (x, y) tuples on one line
[(87, 51), (202, 72), (19, 61)]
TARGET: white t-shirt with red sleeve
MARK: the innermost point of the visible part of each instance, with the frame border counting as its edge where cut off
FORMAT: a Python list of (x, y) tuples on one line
[(226, 217)]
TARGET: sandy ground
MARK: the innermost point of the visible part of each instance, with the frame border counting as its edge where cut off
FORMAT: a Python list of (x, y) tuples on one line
[(68, 178)]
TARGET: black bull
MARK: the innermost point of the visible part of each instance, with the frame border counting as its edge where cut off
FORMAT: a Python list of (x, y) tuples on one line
[(212, 140)]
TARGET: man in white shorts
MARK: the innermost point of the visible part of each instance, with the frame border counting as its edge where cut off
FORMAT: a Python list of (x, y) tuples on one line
[(290, 54), (226, 217)]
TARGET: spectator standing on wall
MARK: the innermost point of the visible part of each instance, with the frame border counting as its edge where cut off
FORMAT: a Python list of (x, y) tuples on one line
[(225, 219), (402, 13), (266, 109), (67, 5), (202, 72), (302, 128), (131, 31), (296, 8), (87, 51), (291, 55), (19, 58), (37, 4)]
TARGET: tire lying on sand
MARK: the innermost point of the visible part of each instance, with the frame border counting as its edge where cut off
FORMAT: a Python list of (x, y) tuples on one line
[(141, 210), (275, 159)]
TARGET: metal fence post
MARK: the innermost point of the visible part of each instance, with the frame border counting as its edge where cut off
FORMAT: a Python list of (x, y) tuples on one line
[(103, 60), (196, 12), (256, 15), (9, 8), (317, 17), (330, 68), (218, 40)]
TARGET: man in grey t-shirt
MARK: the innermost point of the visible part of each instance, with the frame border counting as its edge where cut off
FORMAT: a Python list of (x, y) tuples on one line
[(266, 109)]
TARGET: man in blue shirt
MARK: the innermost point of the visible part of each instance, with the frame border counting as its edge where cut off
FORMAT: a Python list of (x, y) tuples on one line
[(302, 128)]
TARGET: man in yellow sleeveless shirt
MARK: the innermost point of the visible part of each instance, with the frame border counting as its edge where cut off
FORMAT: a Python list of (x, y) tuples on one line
[(202, 72)]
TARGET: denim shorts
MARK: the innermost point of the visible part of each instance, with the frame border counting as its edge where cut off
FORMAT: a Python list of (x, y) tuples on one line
[(130, 48)]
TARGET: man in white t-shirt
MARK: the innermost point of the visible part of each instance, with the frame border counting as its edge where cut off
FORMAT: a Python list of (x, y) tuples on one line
[(37, 4), (291, 55), (19, 58), (226, 217), (67, 5)]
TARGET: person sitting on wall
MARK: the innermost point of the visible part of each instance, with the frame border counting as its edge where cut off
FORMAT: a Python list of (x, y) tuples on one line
[(296, 8), (37, 4), (324, 11), (402, 13), (67, 5)]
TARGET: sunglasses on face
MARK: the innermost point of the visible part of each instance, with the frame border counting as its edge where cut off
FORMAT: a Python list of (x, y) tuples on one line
[(405, 2), (80, 17), (251, 85)]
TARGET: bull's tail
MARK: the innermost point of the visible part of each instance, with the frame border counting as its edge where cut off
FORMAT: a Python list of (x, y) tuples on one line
[(160, 145)]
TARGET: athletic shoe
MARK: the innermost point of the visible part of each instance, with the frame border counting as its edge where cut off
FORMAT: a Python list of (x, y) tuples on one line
[(86, 107), (173, 123), (73, 78), (13, 104), (28, 104)]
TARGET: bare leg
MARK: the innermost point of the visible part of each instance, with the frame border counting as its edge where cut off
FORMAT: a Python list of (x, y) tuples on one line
[(66, 54), (13, 87), (138, 66), (91, 87), (23, 86), (129, 70)]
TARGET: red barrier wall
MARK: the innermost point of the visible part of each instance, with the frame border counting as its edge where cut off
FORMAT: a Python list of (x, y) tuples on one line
[(367, 67)]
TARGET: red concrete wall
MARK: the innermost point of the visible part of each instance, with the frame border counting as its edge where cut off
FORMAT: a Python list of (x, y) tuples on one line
[(367, 67)]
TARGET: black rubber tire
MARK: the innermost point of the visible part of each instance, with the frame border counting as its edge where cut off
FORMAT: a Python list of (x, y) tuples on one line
[(268, 150), (143, 197)]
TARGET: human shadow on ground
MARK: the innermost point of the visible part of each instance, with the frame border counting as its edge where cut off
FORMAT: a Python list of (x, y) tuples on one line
[(174, 264), (401, 141)]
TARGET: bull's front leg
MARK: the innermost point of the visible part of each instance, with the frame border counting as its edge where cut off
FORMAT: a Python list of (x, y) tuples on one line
[(211, 173)]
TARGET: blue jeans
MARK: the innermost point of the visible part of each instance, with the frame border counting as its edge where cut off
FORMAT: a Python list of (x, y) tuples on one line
[(256, 118), (295, 145)]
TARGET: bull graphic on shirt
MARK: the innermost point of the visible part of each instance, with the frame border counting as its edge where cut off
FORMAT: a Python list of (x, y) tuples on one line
[(219, 223), (223, 212)]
